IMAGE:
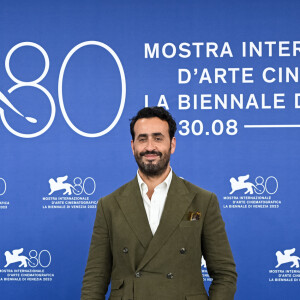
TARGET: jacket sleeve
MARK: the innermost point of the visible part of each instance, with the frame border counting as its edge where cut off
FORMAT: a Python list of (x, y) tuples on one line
[(98, 269), (217, 253)]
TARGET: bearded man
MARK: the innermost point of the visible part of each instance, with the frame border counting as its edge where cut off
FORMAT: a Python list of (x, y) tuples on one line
[(150, 234)]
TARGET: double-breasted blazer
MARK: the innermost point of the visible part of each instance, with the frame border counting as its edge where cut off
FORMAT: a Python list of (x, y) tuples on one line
[(166, 265)]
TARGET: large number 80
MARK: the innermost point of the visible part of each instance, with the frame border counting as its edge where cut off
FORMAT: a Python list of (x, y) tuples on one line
[(35, 84)]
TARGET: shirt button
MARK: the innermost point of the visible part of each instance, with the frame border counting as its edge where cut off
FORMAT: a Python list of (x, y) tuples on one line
[(170, 276), (182, 251), (138, 274), (125, 250)]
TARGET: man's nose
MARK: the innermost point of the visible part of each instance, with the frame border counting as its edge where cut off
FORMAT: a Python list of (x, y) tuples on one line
[(150, 145)]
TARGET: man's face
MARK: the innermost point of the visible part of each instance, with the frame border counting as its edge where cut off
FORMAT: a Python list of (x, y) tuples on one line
[(152, 146)]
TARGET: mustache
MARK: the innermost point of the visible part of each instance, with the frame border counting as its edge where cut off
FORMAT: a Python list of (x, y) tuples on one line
[(151, 152)]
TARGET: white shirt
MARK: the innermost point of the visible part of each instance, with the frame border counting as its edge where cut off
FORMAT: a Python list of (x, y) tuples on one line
[(155, 206)]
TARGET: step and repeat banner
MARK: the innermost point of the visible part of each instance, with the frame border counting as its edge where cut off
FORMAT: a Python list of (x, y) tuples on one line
[(72, 74)]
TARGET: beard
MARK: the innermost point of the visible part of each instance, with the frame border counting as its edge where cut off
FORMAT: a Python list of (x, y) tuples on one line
[(150, 168)]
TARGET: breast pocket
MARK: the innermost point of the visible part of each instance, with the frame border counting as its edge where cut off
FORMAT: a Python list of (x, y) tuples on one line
[(190, 224), (190, 234)]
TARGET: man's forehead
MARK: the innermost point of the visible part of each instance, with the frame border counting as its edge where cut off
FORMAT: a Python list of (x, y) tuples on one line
[(151, 125)]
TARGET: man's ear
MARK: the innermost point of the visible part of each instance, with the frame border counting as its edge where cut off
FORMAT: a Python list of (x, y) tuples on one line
[(173, 145), (132, 147)]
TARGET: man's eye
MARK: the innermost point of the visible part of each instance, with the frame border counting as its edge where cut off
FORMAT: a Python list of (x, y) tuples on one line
[(158, 138), (142, 140)]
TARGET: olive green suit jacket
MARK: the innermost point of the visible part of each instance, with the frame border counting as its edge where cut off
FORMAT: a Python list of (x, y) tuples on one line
[(166, 266)]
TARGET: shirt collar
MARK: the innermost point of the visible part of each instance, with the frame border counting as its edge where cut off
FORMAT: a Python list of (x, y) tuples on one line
[(144, 188)]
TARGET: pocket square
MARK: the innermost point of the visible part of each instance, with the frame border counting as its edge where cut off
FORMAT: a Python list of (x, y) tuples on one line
[(194, 215)]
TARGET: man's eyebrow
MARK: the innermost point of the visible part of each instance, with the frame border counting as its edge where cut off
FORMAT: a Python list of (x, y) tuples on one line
[(145, 135), (142, 135), (157, 134)]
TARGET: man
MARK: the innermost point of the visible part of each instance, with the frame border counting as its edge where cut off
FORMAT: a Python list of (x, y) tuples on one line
[(150, 234)]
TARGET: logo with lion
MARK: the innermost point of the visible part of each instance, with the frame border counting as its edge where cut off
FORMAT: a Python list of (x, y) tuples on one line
[(241, 184), (15, 257), (60, 184), (287, 258)]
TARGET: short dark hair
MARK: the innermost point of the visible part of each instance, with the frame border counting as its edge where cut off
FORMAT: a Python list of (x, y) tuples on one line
[(152, 112)]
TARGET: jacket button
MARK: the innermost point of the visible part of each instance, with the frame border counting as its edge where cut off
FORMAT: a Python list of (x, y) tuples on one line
[(125, 250), (138, 274), (182, 251), (170, 276)]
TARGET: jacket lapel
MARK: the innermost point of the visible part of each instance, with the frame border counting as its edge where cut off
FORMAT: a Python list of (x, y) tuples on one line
[(131, 203), (178, 200)]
